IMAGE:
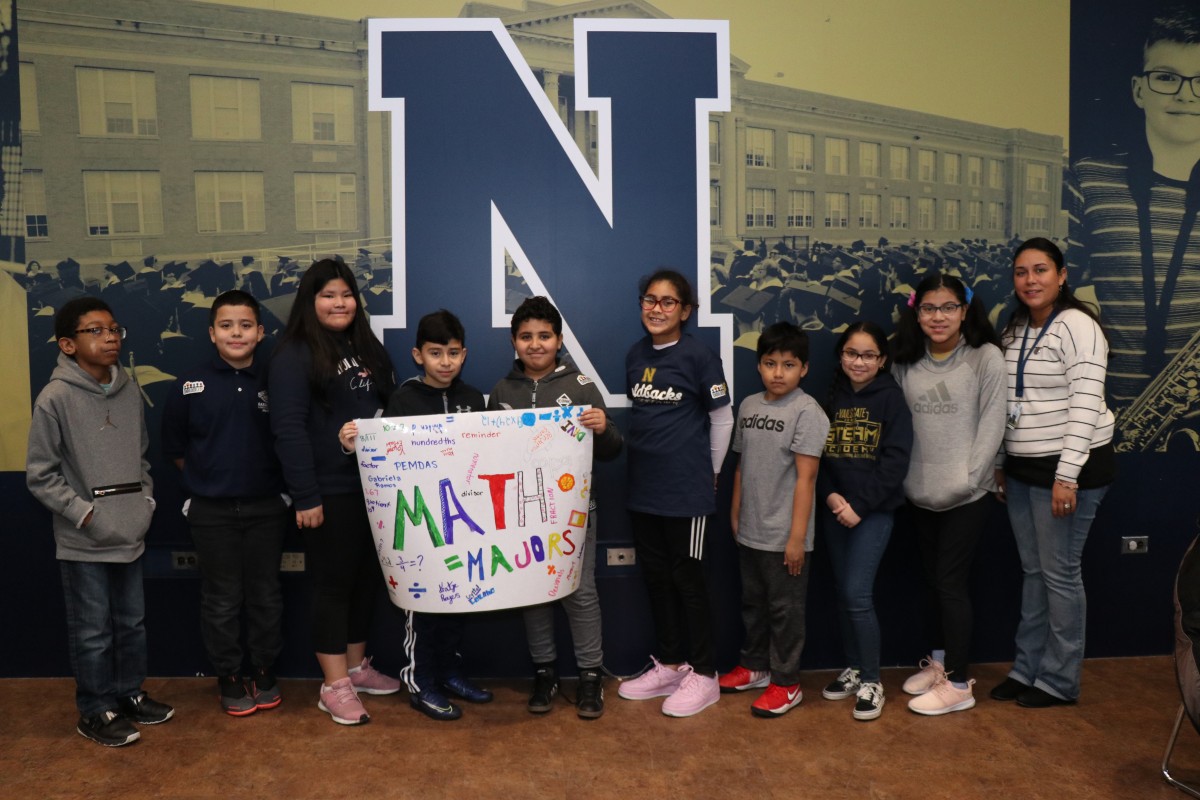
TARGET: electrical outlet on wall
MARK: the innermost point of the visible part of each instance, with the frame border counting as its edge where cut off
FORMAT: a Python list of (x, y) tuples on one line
[(292, 562)]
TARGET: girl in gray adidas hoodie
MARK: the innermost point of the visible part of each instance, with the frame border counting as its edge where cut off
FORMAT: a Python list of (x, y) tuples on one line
[(952, 371)]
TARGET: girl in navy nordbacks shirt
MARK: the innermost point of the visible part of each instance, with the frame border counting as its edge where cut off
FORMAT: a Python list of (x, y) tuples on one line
[(678, 436), (328, 369)]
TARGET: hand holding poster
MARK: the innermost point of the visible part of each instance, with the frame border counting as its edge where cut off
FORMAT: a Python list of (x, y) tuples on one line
[(478, 512)]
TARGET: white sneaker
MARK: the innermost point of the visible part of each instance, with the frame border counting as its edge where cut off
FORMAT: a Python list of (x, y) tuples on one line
[(931, 672)]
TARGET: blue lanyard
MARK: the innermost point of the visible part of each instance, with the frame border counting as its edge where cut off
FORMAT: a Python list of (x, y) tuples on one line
[(1022, 358)]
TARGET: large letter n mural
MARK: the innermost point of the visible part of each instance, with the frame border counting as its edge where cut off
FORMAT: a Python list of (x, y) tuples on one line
[(483, 165)]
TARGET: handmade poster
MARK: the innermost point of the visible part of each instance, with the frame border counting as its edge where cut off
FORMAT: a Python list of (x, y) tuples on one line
[(478, 512)]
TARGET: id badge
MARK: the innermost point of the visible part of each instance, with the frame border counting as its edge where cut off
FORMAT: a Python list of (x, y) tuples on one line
[(1013, 416)]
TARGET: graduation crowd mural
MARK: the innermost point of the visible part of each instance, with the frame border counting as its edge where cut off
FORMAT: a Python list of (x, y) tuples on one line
[(813, 217), (187, 181)]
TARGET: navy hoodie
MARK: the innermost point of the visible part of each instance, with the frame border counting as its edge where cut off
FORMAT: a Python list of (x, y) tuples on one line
[(870, 441)]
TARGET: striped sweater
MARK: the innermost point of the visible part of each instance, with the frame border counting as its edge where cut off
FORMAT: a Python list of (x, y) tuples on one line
[(1106, 247), (1063, 412)]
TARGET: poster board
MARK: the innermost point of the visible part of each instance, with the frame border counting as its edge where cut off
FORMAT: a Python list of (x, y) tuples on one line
[(478, 512)]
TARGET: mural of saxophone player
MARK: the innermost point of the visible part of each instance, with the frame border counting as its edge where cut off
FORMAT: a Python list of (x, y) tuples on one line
[(1133, 235)]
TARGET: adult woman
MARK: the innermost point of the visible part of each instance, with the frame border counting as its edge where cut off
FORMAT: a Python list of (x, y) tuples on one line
[(1058, 463), (329, 369), (949, 364)]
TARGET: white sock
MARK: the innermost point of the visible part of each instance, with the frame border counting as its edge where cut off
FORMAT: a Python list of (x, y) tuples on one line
[(939, 656)]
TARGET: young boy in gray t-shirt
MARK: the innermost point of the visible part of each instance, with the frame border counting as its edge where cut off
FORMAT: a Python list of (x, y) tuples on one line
[(780, 434)]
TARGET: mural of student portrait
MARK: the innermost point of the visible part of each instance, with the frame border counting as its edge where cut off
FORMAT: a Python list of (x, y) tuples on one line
[(1134, 238)]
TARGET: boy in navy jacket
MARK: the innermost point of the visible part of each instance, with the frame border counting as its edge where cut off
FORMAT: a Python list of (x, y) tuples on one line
[(217, 430)]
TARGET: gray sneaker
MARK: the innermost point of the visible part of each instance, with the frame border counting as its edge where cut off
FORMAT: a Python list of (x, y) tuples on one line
[(265, 689), (235, 700)]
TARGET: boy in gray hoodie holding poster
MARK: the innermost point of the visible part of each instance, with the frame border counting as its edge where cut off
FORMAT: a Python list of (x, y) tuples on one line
[(540, 378), (87, 464)]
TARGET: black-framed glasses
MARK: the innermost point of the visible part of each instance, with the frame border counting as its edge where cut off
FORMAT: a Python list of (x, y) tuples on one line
[(649, 301), (927, 310), (1161, 81), (869, 359), (118, 331)]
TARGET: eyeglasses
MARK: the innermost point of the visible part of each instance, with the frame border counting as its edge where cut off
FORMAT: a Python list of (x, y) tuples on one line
[(649, 301), (868, 359), (926, 310), (1162, 82), (116, 330)]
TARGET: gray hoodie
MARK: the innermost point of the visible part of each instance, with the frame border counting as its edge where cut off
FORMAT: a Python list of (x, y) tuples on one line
[(87, 453)]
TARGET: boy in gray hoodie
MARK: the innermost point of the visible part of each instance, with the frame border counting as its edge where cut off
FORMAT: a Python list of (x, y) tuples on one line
[(540, 378), (86, 463)]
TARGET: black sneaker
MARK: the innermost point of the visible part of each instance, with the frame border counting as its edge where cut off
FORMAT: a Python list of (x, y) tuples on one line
[(1009, 689), (143, 710), (844, 685), (870, 701), (108, 728), (590, 702), (545, 686)]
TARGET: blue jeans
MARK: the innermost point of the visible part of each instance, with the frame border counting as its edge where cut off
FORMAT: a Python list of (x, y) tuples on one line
[(106, 631), (1050, 635), (855, 554)]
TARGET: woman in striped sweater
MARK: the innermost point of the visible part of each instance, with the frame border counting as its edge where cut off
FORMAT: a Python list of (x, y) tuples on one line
[(1058, 462)]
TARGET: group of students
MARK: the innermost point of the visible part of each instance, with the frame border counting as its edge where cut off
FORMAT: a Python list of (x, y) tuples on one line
[(963, 415), (252, 438)]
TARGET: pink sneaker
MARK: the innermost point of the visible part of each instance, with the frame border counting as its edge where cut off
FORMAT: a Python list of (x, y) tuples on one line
[(943, 698), (340, 702), (921, 682), (368, 680), (695, 693), (658, 681)]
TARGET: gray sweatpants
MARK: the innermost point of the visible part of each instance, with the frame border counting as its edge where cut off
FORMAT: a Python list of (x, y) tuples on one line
[(583, 614), (773, 614)]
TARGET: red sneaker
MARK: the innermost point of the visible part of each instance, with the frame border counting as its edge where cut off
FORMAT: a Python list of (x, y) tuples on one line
[(739, 679), (777, 700)]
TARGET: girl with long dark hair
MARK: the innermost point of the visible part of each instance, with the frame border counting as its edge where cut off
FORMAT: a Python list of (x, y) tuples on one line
[(327, 370)]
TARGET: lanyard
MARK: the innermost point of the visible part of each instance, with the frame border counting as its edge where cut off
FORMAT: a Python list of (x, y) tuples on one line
[(1022, 358)]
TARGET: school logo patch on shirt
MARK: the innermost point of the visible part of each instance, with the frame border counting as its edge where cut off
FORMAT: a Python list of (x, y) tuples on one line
[(262, 402), (193, 387), (584, 380), (717, 390), (563, 400)]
